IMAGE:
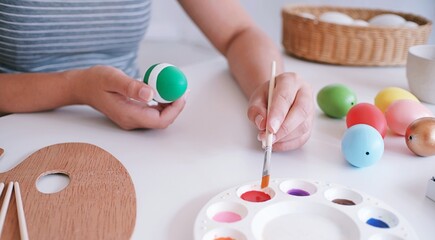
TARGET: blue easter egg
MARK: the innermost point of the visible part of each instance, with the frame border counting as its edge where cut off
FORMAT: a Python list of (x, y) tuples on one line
[(362, 145)]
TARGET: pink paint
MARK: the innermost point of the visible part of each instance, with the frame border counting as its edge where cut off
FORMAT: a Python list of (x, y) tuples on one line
[(255, 196), (227, 217)]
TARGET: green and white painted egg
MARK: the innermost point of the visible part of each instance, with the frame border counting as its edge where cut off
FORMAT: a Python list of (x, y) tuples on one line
[(167, 80)]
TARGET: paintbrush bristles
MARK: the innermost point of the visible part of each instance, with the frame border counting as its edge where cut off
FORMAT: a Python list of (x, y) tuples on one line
[(265, 181)]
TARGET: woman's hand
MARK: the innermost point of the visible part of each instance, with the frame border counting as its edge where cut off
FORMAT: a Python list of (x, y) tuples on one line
[(291, 113), (122, 99)]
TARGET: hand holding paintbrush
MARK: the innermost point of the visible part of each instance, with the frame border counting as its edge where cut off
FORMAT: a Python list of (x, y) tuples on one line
[(269, 135)]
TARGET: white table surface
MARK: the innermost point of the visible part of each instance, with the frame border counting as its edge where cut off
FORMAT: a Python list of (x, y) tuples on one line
[(212, 147)]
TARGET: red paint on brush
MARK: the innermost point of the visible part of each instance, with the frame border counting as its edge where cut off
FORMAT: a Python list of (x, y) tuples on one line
[(255, 196)]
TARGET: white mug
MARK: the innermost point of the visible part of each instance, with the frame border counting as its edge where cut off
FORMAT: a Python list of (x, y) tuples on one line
[(420, 72)]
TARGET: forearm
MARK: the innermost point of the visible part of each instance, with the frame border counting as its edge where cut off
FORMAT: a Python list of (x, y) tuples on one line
[(31, 92), (250, 55), (230, 29)]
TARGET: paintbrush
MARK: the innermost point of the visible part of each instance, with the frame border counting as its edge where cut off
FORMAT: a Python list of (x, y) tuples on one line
[(269, 135)]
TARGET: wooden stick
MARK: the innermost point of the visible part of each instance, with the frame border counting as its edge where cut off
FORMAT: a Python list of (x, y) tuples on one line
[(20, 210), (269, 135), (2, 186), (5, 205), (269, 102)]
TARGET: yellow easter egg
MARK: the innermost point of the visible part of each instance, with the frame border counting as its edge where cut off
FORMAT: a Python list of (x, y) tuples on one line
[(390, 94)]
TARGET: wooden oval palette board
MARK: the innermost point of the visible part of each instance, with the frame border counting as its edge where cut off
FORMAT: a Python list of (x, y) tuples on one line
[(98, 203), (299, 209)]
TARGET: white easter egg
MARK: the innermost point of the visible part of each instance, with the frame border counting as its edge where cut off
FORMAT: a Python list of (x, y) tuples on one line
[(359, 22), (409, 24), (336, 17), (387, 20), (307, 15)]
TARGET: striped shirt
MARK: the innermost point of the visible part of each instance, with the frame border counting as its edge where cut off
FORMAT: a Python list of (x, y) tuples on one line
[(56, 35)]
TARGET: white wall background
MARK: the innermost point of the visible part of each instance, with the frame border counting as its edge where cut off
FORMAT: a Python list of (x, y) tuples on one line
[(169, 22)]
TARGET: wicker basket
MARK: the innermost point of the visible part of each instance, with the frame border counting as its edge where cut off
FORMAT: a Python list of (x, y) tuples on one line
[(350, 45)]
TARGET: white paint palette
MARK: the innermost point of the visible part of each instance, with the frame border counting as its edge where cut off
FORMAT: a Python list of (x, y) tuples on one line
[(299, 209)]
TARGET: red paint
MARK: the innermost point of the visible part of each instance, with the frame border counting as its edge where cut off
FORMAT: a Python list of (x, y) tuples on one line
[(255, 196)]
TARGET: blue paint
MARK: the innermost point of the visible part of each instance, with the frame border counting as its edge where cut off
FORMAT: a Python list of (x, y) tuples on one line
[(377, 223)]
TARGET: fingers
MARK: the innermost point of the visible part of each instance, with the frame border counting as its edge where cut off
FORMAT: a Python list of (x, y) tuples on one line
[(300, 116), (170, 113), (125, 100), (137, 115), (291, 144), (120, 83), (290, 115), (293, 140), (258, 107), (282, 100)]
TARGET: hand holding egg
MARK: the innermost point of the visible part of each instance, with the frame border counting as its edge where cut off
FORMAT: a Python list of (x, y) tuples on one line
[(167, 80)]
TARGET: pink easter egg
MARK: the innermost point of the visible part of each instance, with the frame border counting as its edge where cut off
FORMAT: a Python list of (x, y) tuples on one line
[(401, 113)]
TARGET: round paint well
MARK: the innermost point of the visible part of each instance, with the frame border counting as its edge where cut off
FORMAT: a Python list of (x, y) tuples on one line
[(298, 188), (227, 212), (224, 234), (343, 196), (299, 219), (253, 193), (378, 217)]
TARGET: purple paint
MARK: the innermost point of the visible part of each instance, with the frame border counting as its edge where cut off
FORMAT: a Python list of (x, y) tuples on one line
[(298, 192)]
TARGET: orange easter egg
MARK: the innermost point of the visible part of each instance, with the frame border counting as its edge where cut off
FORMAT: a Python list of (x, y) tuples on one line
[(420, 136)]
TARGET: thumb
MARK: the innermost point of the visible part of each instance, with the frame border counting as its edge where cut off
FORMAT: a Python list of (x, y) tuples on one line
[(135, 89)]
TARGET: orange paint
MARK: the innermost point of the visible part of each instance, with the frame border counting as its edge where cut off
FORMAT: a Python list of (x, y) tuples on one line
[(265, 181)]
